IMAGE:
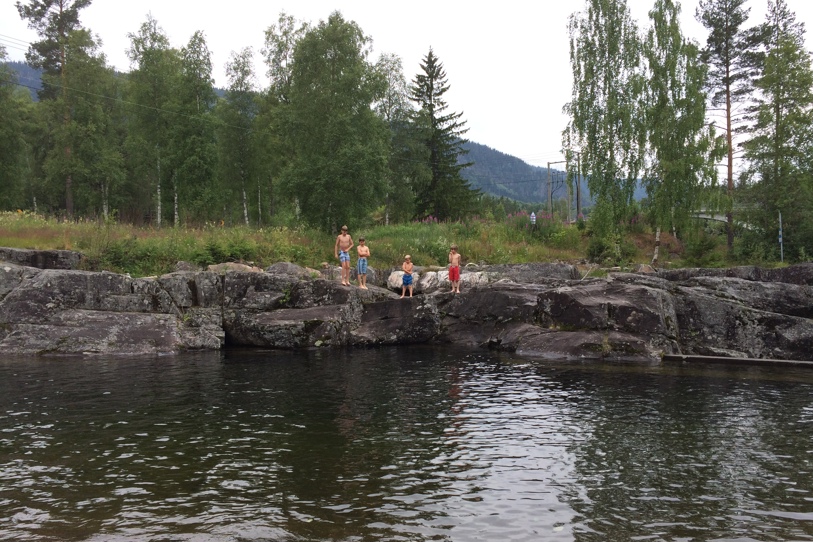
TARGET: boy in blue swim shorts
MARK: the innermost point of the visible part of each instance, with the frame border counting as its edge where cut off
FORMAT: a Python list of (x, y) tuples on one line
[(361, 265), (407, 269), (342, 251)]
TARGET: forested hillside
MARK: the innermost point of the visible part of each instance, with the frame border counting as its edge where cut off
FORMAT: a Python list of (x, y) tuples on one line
[(503, 175), (27, 77)]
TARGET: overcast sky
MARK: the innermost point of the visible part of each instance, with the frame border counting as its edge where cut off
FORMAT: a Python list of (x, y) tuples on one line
[(507, 64)]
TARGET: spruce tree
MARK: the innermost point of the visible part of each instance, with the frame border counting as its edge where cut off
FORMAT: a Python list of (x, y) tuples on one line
[(780, 148), (444, 194)]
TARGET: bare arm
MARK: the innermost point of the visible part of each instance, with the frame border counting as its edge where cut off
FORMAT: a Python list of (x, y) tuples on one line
[(336, 248)]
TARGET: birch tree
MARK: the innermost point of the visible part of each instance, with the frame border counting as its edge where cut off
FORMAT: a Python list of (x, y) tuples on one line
[(607, 118), (153, 83), (339, 145), (237, 113), (680, 144)]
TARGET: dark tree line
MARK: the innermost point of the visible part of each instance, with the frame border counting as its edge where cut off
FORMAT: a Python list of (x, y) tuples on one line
[(334, 139)]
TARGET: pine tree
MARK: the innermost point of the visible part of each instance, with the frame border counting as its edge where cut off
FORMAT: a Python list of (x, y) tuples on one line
[(444, 194), (54, 21), (728, 56)]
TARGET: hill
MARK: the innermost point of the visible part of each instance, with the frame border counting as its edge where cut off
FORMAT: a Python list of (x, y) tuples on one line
[(502, 175), (27, 77)]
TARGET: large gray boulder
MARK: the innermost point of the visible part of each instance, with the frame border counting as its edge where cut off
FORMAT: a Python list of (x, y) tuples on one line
[(713, 325), (398, 321), (79, 312)]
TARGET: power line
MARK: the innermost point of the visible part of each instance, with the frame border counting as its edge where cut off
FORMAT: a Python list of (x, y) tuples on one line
[(22, 42)]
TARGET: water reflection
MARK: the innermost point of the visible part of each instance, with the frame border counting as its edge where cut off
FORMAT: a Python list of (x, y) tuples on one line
[(400, 444)]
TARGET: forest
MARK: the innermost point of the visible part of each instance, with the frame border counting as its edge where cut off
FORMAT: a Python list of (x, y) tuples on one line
[(724, 127)]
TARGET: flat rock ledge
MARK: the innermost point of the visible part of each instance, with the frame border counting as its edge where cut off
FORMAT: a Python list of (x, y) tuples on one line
[(540, 310)]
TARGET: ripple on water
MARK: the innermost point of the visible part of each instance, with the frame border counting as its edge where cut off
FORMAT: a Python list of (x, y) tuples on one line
[(409, 444)]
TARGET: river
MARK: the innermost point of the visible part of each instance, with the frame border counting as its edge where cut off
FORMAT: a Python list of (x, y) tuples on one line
[(402, 444)]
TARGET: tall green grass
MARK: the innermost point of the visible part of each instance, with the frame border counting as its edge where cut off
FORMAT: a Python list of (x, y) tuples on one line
[(148, 251)]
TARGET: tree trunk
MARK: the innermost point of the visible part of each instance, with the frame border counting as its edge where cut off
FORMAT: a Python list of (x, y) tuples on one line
[(105, 203), (67, 121), (259, 205), (730, 143), (245, 205), (270, 198), (158, 194), (177, 221), (657, 246)]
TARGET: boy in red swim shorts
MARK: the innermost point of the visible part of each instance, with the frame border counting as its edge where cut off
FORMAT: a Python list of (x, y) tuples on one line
[(454, 269)]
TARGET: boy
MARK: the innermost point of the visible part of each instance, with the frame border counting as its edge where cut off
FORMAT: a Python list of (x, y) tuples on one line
[(361, 265), (342, 251), (454, 269), (407, 268)]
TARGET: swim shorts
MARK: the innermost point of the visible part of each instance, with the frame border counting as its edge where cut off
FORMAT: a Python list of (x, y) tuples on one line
[(407, 280), (344, 256), (454, 273), (361, 266)]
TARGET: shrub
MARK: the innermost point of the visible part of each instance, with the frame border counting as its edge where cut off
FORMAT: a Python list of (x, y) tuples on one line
[(701, 251)]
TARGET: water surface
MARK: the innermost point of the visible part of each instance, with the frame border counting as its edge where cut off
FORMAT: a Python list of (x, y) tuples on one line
[(406, 444)]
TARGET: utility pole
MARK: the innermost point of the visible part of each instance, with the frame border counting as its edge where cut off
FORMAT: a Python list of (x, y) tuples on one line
[(781, 245), (578, 183), (550, 204), (550, 194)]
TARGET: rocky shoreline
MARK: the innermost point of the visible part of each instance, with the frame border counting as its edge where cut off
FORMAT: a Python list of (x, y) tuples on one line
[(543, 310)]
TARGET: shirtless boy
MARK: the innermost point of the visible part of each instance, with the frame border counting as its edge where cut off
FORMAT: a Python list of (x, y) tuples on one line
[(342, 251), (454, 269), (407, 268), (361, 265)]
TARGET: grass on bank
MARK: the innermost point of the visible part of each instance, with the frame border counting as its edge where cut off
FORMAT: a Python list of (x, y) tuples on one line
[(149, 251)]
